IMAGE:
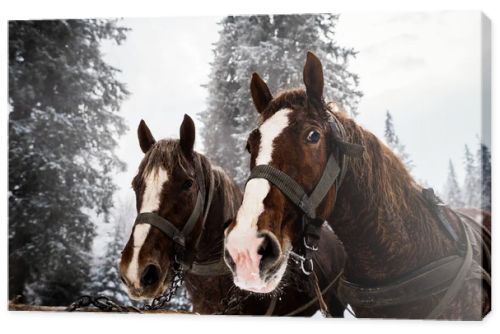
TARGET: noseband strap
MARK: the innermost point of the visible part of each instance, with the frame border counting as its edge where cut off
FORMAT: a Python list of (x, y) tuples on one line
[(294, 191), (332, 174), (168, 228)]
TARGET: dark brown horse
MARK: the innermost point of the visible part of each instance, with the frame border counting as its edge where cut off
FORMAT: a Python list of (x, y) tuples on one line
[(396, 234), (170, 180)]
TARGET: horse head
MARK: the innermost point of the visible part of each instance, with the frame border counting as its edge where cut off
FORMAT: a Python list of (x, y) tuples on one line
[(167, 193), (295, 137)]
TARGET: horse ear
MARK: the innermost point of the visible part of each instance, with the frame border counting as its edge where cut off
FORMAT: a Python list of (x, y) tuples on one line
[(261, 95), (146, 139), (313, 77), (187, 136)]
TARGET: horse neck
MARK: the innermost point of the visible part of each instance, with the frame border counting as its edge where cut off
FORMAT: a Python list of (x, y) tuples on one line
[(225, 202), (386, 226)]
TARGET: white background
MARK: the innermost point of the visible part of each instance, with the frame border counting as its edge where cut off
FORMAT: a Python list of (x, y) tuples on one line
[(14, 322)]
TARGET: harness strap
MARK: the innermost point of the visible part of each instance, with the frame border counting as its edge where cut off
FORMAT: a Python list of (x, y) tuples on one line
[(429, 280), (293, 191), (190, 255), (438, 208), (163, 225), (350, 149), (332, 170), (321, 301), (287, 185), (457, 283), (347, 150), (272, 306), (198, 208), (325, 183), (444, 275), (315, 299), (214, 268)]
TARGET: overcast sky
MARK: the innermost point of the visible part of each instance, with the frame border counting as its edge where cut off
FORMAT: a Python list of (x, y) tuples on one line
[(422, 67)]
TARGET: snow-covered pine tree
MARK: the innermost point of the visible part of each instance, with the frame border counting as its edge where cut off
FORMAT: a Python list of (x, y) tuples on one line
[(472, 182), (224, 107), (394, 143), (452, 191), (105, 279), (484, 164), (275, 46), (63, 129)]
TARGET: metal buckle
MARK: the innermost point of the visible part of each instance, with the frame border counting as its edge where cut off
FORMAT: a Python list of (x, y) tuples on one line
[(299, 259), (296, 257), (304, 270), (307, 246)]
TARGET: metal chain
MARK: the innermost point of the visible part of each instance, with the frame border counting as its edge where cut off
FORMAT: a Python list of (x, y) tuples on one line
[(103, 303), (107, 304), (160, 301)]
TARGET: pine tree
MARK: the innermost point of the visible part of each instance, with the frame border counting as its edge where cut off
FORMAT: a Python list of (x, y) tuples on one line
[(484, 159), (63, 128), (105, 278), (393, 142), (472, 182), (452, 190), (274, 46)]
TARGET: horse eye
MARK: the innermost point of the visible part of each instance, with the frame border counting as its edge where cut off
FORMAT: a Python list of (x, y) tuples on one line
[(313, 137), (188, 184)]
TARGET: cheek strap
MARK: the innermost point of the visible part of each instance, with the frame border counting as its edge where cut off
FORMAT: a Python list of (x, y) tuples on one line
[(168, 228), (294, 191)]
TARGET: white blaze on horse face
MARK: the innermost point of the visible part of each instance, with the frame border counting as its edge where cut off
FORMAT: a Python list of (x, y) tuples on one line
[(154, 184), (150, 202), (140, 234), (243, 242)]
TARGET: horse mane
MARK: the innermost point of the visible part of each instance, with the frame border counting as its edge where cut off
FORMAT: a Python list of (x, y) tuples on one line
[(380, 173), (224, 185)]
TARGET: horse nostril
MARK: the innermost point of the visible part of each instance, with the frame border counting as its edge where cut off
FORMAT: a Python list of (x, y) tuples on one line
[(269, 250), (150, 276)]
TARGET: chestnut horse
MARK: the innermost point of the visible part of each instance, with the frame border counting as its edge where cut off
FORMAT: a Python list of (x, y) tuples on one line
[(183, 203), (408, 256)]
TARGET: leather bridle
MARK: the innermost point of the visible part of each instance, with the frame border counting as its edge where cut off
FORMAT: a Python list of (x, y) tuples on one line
[(333, 174), (184, 256)]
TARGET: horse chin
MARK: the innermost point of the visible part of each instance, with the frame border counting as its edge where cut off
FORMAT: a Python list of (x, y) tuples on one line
[(140, 294), (269, 285)]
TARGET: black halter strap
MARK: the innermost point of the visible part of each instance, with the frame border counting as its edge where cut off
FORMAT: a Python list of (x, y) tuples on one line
[(333, 174), (168, 228), (184, 256), (294, 191)]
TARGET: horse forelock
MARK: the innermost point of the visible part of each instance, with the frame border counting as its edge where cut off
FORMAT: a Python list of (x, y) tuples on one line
[(166, 153)]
